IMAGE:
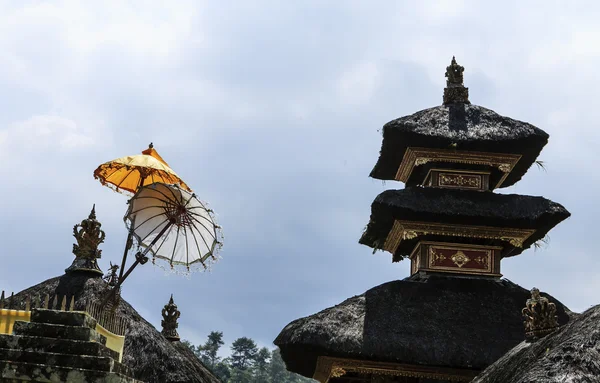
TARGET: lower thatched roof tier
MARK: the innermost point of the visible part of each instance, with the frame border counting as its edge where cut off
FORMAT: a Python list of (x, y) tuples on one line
[(569, 355), (465, 127), (434, 321), (151, 357), (460, 207)]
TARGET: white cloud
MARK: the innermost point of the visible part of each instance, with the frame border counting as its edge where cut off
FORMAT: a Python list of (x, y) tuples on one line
[(42, 133)]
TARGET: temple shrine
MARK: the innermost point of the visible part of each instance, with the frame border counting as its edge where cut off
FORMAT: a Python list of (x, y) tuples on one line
[(454, 315)]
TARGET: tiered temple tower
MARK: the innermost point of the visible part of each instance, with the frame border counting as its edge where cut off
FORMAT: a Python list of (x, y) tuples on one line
[(451, 158), (454, 315)]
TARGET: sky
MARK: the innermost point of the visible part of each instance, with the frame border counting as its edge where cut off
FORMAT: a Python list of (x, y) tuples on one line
[(271, 111)]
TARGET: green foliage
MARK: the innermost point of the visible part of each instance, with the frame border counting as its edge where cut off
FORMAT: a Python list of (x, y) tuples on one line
[(208, 352), (247, 363), (243, 353), (261, 365), (222, 371)]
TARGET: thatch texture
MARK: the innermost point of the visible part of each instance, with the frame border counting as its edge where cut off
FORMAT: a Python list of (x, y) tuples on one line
[(572, 354), (460, 207), (434, 321), (152, 358), (470, 127)]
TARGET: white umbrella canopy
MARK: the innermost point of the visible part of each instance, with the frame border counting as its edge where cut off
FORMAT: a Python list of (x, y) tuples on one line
[(174, 226)]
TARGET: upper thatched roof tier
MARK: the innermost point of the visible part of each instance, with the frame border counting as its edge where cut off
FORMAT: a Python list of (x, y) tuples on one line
[(460, 126), (152, 358), (568, 355), (435, 321), (460, 207)]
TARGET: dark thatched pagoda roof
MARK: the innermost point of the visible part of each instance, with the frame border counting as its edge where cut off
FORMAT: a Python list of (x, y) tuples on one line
[(569, 355), (436, 321), (460, 207), (470, 127), (152, 358)]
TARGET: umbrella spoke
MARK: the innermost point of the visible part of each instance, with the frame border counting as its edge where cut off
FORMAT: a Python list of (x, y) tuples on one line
[(197, 246), (202, 216), (148, 219), (175, 245), (194, 240), (124, 178), (206, 228)]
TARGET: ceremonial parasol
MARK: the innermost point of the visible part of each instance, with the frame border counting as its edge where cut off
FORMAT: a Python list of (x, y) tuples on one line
[(127, 174), (174, 226)]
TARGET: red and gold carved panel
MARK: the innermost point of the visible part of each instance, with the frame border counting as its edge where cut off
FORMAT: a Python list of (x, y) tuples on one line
[(460, 259), (460, 181), (455, 258)]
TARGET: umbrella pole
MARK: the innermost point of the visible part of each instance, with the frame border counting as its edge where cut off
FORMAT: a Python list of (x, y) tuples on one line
[(127, 247), (139, 258), (130, 234)]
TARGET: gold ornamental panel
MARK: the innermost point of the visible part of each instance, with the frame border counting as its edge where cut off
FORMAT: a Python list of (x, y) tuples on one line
[(328, 367), (420, 156), (407, 230)]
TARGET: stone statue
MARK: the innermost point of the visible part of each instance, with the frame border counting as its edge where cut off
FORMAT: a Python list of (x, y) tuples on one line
[(540, 316), (88, 236), (169, 323), (111, 277)]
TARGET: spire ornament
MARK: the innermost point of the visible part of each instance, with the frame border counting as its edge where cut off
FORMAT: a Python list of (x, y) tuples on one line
[(88, 236), (169, 323), (112, 278), (540, 316), (455, 92)]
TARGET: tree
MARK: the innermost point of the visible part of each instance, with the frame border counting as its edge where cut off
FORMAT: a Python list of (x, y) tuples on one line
[(277, 370), (241, 376), (222, 371), (243, 353), (208, 352), (261, 365), (187, 344)]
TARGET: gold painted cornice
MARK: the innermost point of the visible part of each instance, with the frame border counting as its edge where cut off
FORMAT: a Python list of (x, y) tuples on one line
[(403, 230), (420, 156), (329, 367)]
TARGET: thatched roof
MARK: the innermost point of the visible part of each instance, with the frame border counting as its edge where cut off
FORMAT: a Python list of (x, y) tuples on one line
[(435, 321), (470, 127), (460, 207), (152, 358), (569, 355)]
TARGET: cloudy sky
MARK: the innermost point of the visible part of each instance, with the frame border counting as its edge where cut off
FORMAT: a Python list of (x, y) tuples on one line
[(270, 110)]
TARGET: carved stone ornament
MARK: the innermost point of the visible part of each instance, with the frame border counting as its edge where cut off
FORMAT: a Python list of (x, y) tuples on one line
[(455, 92), (169, 323), (540, 316), (88, 236), (112, 277)]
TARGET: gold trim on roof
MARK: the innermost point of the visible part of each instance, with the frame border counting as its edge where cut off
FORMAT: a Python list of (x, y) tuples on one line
[(328, 367), (420, 156), (406, 230)]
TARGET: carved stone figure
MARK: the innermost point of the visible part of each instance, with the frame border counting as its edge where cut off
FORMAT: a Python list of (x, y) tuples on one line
[(540, 316), (112, 277), (169, 323), (88, 236)]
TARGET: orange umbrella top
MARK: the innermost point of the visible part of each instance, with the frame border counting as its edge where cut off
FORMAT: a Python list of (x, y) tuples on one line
[(132, 172)]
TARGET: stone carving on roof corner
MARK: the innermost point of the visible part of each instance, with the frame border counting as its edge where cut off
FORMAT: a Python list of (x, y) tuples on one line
[(540, 316)]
